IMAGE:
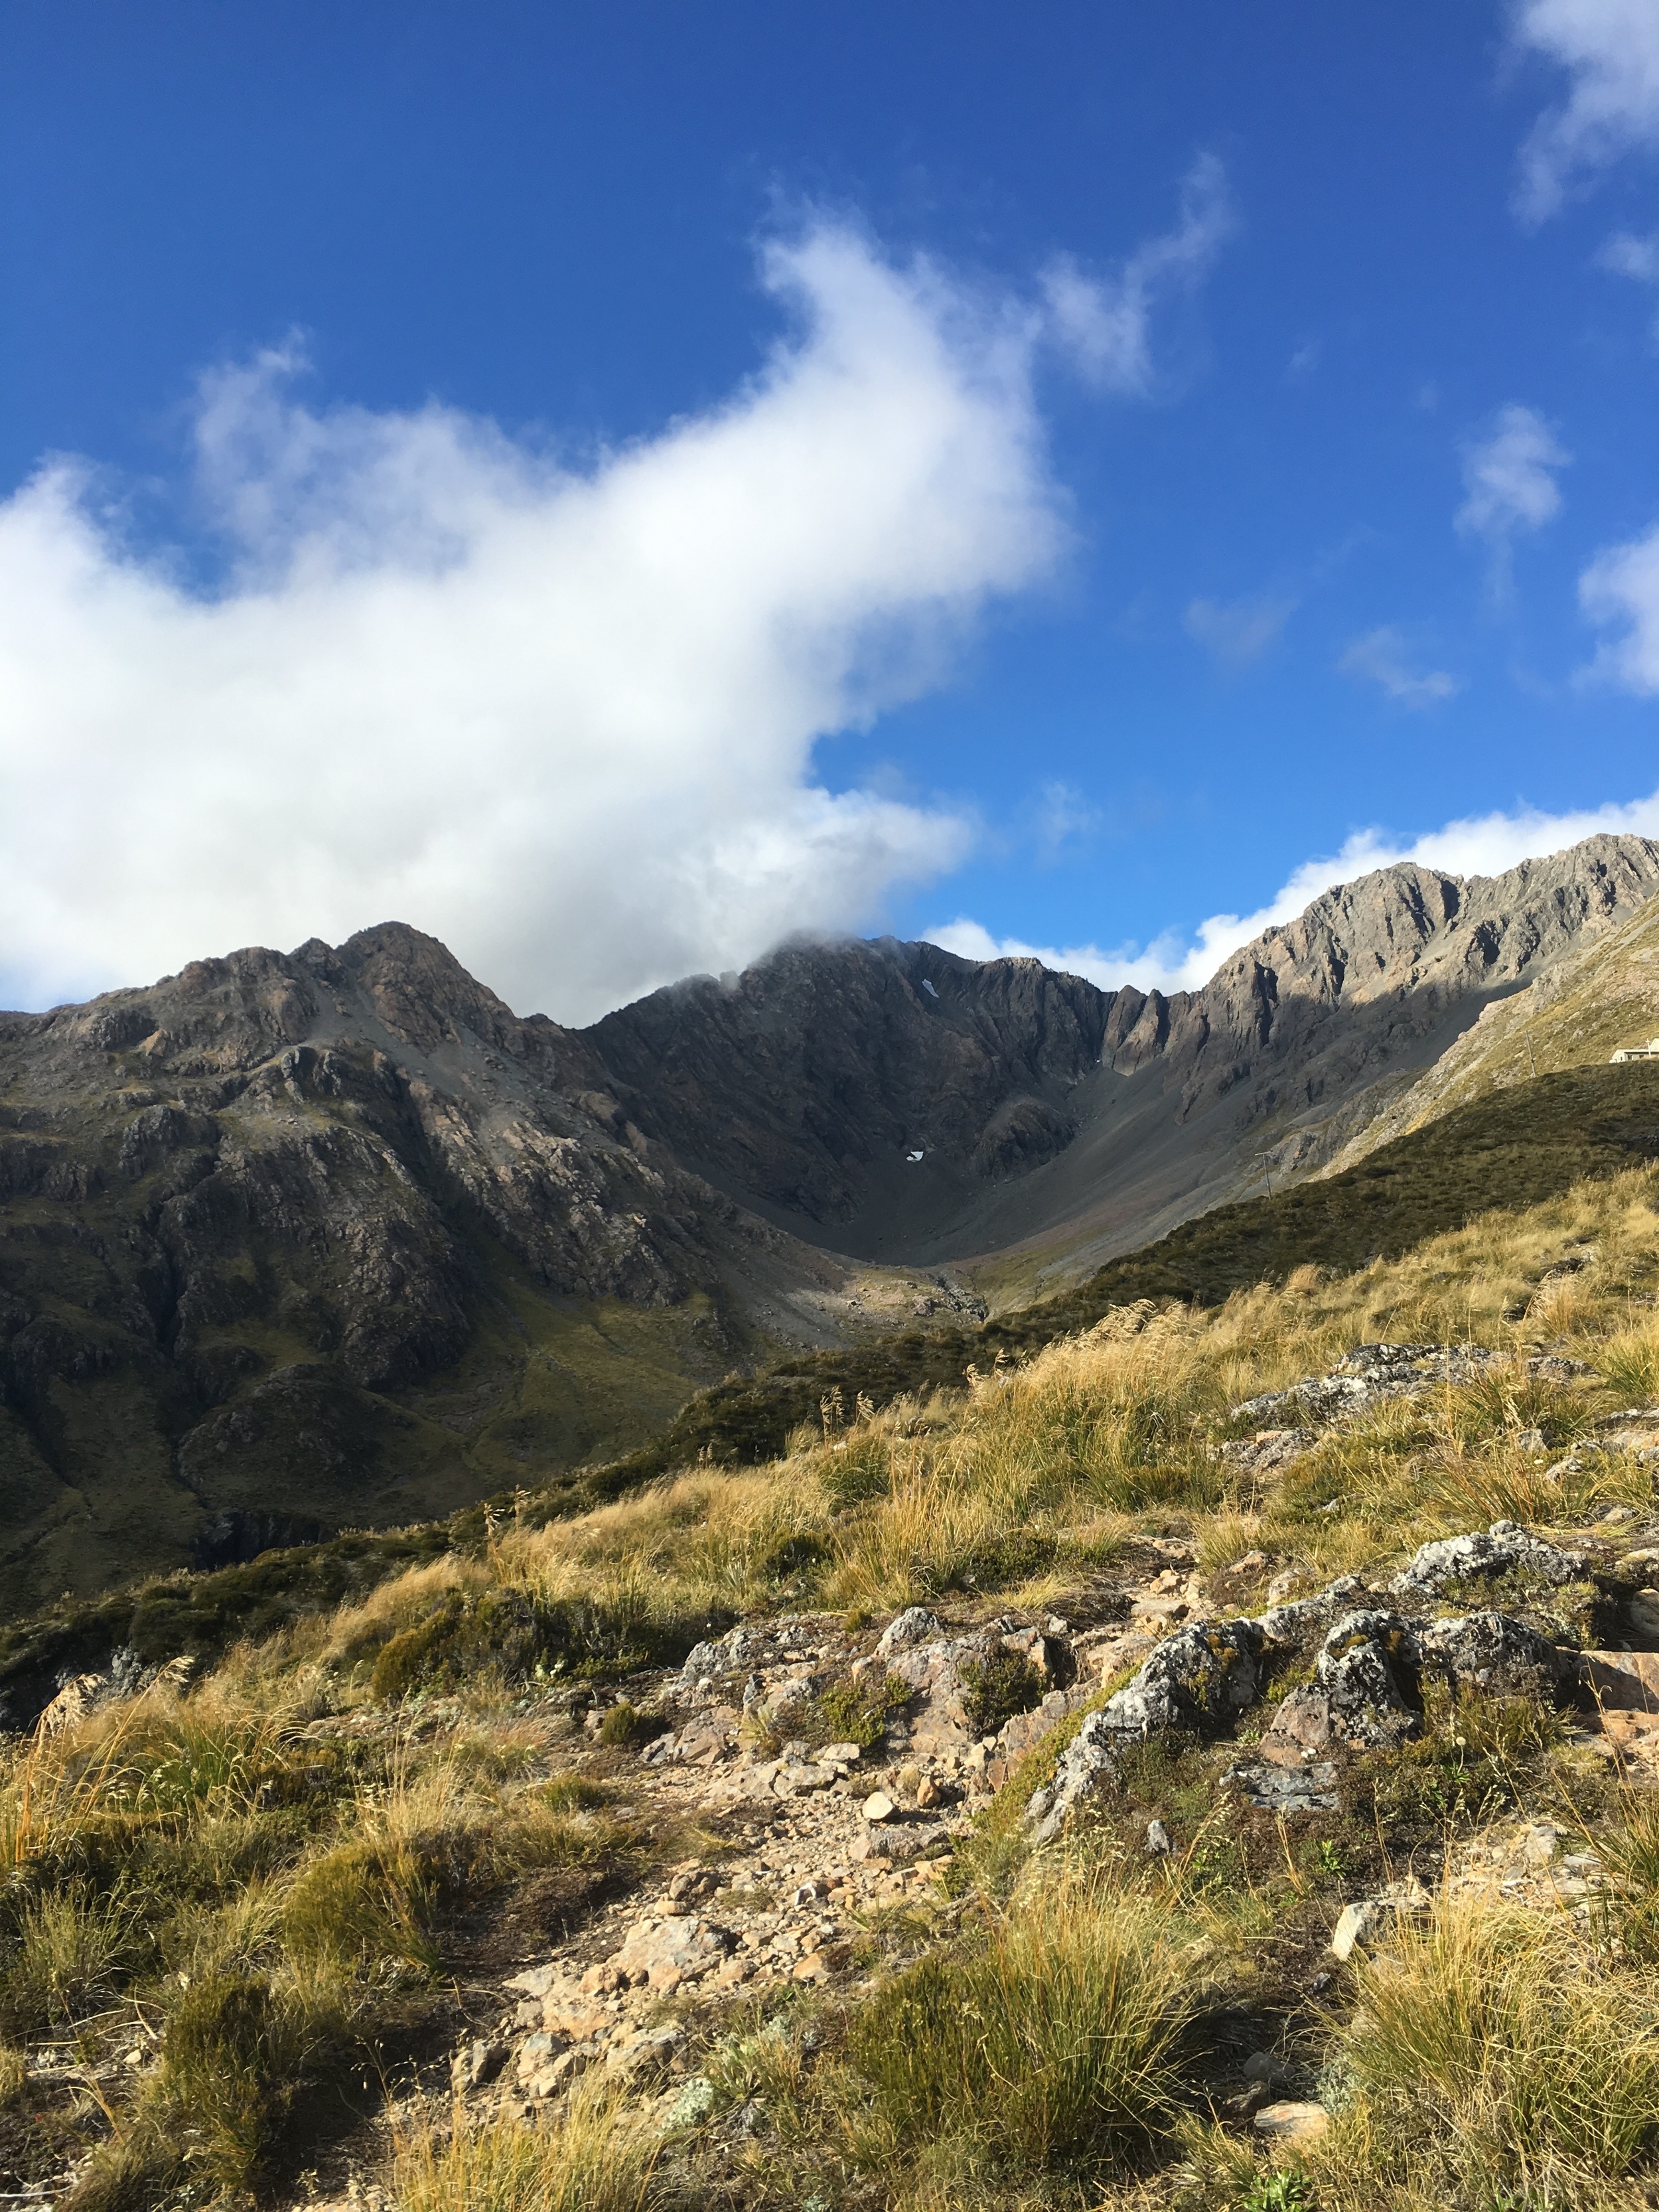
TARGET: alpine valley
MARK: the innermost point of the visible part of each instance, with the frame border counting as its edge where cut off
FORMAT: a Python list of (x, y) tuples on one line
[(295, 1242)]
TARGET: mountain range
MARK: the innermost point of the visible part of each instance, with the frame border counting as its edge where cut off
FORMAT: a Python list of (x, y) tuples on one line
[(290, 1242)]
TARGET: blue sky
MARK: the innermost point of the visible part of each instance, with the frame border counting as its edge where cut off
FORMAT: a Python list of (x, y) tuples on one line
[(612, 486)]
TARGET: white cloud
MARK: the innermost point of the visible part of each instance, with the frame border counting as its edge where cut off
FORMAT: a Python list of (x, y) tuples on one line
[(1610, 50), (1237, 631), (1621, 587), (563, 719), (1627, 255), (1510, 480), (1381, 657), (1107, 322), (1480, 845)]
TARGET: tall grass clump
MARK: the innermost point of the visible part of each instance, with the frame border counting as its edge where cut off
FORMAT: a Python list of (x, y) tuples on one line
[(1494, 2058), (592, 2159), (1048, 2039)]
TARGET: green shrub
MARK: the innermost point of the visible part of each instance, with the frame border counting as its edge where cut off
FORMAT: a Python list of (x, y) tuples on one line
[(625, 1729), (996, 1688), (846, 1713)]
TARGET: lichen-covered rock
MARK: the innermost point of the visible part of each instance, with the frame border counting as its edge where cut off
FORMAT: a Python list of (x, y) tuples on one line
[(1198, 1678), (1506, 1548), (1367, 1376), (1366, 1670), (1494, 1652), (915, 1624)]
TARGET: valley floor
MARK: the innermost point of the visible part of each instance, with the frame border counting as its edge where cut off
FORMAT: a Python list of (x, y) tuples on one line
[(959, 1811)]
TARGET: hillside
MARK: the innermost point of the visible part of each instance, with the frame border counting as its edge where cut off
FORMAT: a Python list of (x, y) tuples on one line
[(1601, 998), (1133, 1778), (295, 1243), (1488, 1161)]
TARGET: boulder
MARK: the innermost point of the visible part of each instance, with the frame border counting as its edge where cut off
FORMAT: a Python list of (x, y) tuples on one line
[(1291, 2122), (1372, 1919), (664, 1953), (1273, 1789), (1494, 1652), (1504, 1549), (475, 2064), (915, 1624), (1198, 1678), (1624, 1681), (1300, 1729), (1366, 1669)]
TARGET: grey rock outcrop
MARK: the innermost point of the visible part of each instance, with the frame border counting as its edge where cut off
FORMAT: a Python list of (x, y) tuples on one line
[(1369, 1375), (1505, 1549), (1495, 1652), (1200, 1678), (1368, 1671)]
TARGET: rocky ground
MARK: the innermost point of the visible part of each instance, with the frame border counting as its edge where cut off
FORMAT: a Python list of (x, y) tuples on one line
[(810, 1851), (810, 1799)]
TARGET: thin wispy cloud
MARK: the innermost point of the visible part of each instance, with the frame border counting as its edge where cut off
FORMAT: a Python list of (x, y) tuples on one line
[(1510, 487), (1382, 657), (1061, 819), (1237, 631), (1107, 321), (566, 719), (1626, 254), (1620, 593), (1609, 50), (1481, 845)]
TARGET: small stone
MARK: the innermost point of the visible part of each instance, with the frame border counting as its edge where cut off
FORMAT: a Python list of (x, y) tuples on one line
[(1643, 1612), (1540, 1843), (879, 1806), (1292, 2122), (475, 2064), (928, 1793), (1157, 1839), (536, 1982), (1265, 2066), (1361, 1925)]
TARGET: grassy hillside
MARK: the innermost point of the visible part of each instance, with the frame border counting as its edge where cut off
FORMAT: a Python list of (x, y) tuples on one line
[(279, 1887), (1512, 1150), (1506, 1149)]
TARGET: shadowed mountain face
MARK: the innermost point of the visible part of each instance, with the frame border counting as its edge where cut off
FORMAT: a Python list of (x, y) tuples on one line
[(1076, 1120), (290, 1241)]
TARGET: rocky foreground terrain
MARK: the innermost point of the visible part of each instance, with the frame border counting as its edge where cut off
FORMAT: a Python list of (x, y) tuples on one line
[(1212, 1764)]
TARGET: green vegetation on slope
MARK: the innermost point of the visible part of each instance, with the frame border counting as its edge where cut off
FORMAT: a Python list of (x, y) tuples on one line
[(266, 1884), (1516, 1148), (1511, 1149)]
